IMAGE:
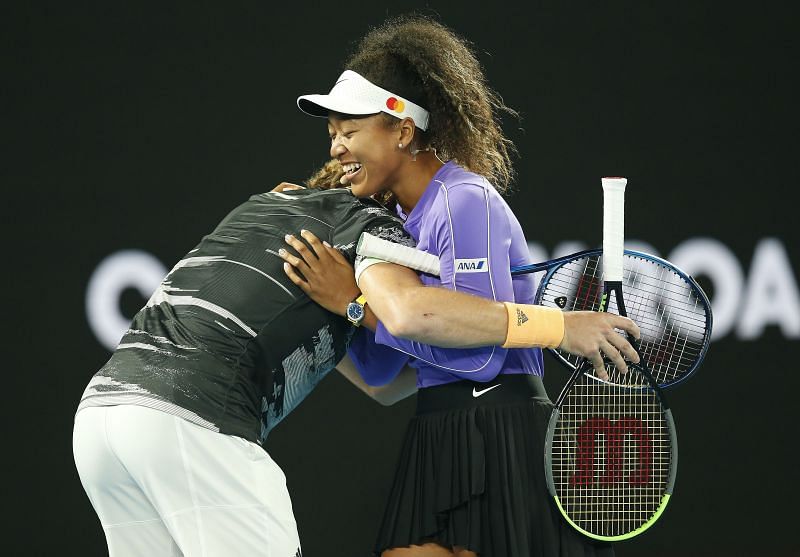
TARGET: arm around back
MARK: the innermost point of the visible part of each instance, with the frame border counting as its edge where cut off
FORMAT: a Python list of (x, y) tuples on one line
[(402, 386), (436, 316)]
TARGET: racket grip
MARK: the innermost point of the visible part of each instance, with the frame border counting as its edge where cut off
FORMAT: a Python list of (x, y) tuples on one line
[(613, 227), (378, 248)]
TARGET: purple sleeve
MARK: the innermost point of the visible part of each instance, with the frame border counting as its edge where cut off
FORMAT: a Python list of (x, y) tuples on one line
[(377, 364), (472, 236)]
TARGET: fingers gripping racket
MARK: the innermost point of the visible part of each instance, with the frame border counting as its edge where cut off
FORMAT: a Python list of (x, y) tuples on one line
[(611, 450)]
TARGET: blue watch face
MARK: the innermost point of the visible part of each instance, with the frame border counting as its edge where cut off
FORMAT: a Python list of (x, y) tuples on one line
[(355, 312)]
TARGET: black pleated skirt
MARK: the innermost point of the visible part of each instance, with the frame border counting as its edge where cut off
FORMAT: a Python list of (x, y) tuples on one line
[(471, 474)]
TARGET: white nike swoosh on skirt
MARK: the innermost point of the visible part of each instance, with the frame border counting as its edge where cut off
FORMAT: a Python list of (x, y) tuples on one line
[(476, 393)]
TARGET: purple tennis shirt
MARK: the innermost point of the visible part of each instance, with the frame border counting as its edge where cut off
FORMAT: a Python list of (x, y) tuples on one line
[(464, 221)]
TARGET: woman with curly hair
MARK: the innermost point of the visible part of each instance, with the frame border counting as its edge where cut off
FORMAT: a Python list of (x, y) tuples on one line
[(413, 122)]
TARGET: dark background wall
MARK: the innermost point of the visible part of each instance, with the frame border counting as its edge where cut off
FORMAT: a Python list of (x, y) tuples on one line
[(140, 126)]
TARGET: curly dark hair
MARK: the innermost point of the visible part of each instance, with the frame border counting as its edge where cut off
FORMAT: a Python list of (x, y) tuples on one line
[(326, 177), (427, 63)]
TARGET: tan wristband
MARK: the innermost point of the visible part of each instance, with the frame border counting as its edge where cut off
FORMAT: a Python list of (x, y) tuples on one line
[(530, 326)]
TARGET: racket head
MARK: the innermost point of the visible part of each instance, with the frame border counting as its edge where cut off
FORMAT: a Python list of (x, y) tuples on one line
[(611, 456), (671, 310)]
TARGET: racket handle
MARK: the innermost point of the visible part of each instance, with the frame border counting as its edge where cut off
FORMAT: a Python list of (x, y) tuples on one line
[(613, 227), (372, 246)]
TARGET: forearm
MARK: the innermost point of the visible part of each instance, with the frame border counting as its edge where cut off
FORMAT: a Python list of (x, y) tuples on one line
[(370, 319), (435, 316), (376, 364)]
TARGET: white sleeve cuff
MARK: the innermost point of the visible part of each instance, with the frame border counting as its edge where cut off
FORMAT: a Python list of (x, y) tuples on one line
[(364, 263)]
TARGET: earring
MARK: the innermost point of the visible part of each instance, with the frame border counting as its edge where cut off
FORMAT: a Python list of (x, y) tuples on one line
[(399, 145)]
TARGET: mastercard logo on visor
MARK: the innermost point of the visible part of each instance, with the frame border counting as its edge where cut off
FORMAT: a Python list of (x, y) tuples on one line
[(395, 104)]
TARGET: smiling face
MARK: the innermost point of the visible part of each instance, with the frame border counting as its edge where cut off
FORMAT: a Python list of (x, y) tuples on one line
[(367, 148)]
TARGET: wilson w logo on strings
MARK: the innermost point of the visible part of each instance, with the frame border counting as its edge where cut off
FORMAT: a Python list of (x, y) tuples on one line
[(613, 435)]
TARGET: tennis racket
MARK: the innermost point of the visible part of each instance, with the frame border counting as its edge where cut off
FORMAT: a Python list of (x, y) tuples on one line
[(672, 311), (611, 450)]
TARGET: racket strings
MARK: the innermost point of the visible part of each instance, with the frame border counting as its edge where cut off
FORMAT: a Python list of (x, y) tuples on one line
[(611, 457), (668, 310), (671, 291)]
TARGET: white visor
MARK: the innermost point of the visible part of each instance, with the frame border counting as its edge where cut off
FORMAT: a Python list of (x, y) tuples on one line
[(355, 95)]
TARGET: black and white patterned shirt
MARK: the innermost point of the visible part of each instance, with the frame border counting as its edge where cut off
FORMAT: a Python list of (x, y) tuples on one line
[(227, 341)]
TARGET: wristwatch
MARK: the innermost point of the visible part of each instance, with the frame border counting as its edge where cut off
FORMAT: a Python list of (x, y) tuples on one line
[(355, 310)]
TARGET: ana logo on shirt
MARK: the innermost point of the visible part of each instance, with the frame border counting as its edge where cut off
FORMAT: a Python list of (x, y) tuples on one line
[(472, 265)]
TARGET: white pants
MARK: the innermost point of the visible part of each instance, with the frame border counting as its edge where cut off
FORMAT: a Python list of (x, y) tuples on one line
[(163, 486)]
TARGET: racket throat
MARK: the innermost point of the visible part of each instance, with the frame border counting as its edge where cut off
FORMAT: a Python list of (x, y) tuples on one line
[(614, 287)]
